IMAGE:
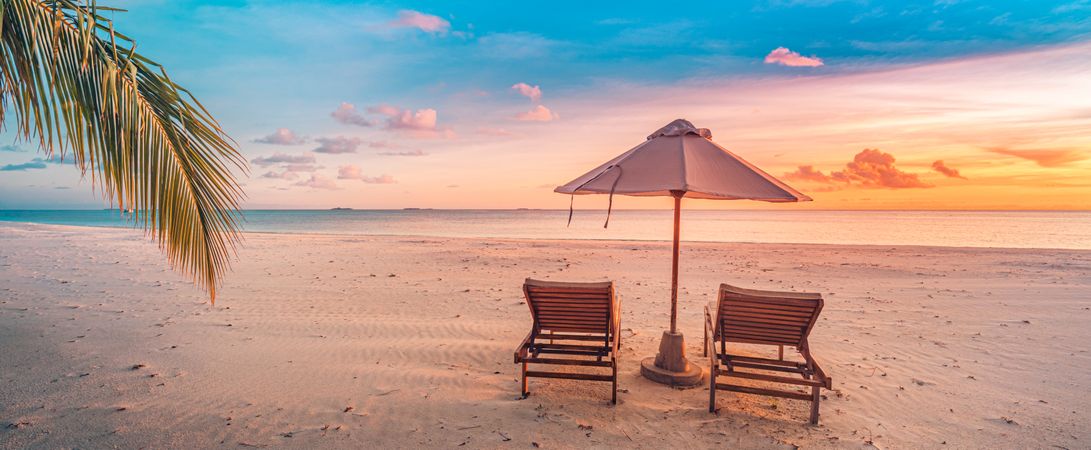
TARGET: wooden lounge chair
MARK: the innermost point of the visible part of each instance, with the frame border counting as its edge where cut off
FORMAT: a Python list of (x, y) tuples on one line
[(780, 319), (575, 324)]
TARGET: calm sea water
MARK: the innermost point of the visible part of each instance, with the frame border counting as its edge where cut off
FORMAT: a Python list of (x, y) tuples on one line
[(1019, 229)]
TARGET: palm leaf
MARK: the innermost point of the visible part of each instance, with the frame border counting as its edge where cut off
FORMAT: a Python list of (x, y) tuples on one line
[(74, 85)]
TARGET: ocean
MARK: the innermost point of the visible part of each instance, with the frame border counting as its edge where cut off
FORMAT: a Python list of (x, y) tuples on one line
[(1004, 229)]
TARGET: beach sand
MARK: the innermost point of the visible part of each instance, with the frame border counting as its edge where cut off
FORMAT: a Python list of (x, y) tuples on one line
[(362, 341)]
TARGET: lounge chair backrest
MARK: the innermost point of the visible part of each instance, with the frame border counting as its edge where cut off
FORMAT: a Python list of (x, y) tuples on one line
[(570, 307), (766, 317)]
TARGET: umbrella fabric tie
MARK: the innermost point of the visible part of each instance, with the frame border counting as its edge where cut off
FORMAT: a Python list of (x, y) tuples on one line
[(610, 205), (571, 202)]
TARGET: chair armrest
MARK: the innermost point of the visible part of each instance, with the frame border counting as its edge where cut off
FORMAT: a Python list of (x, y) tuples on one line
[(821, 374), (521, 352), (710, 334), (615, 327)]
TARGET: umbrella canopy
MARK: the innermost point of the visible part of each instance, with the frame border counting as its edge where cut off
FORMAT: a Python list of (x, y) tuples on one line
[(679, 160), (682, 158)]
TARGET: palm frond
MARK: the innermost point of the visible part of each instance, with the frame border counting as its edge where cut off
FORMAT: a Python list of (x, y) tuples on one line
[(73, 84)]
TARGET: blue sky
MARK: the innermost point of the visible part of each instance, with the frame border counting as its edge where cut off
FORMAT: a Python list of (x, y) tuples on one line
[(263, 66)]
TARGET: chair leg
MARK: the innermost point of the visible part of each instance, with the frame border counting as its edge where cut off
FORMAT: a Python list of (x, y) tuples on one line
[(712, 388), (524, 391), (815, 398), (704, 346), (613, 400)]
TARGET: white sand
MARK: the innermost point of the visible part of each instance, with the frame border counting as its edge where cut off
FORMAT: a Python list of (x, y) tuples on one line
[(343, 341)]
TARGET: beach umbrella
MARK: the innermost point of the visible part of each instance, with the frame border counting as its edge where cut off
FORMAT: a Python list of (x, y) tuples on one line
[(679, 160)]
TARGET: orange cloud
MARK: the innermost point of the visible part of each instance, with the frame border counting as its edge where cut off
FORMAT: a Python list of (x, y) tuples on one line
[(1044, 158), (785, 57), (940, 167), (871, 168), (537, 114)]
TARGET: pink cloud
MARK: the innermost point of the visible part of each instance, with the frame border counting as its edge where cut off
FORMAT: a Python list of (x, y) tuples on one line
[(349, 172), (317, 181), (940, 167), (785, 57), (493, 131), (282, 136), (421, 21), (285, 175), (283, 158), (537, 114), (417, 152), (870, 168), (381, 179), (1044, 158), (347, 114), (421, 119), (534, 93), (353, 172), (337, 145)]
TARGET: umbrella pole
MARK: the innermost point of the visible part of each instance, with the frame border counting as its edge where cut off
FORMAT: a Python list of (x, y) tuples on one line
[(670, 365), (674, 264)]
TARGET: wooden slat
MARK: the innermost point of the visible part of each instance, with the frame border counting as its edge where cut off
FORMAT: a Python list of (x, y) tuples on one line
[(771, 378), (572, 328), (558, 294), (766, 310), (750, 365), (570, 376), (771, 320), (759, 391), (571, 346), (742, 340), (593, 324), (775, 327), (568, 362), (775, 301), (769, 304), (735, 329), (570, 337), (573, 319), (593, 314), (758, 337), (761, 360), (768, 315)]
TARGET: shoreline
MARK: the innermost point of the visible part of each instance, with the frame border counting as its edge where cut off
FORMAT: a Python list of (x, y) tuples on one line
[(549, 240)]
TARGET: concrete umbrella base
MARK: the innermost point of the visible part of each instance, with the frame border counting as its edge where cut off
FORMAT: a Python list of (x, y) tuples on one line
[(670, 366)]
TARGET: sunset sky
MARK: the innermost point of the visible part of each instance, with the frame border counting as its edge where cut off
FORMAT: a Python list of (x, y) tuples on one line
[(861, 104)]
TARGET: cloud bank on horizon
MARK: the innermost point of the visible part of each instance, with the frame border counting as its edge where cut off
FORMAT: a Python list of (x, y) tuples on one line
[(969, 99)]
